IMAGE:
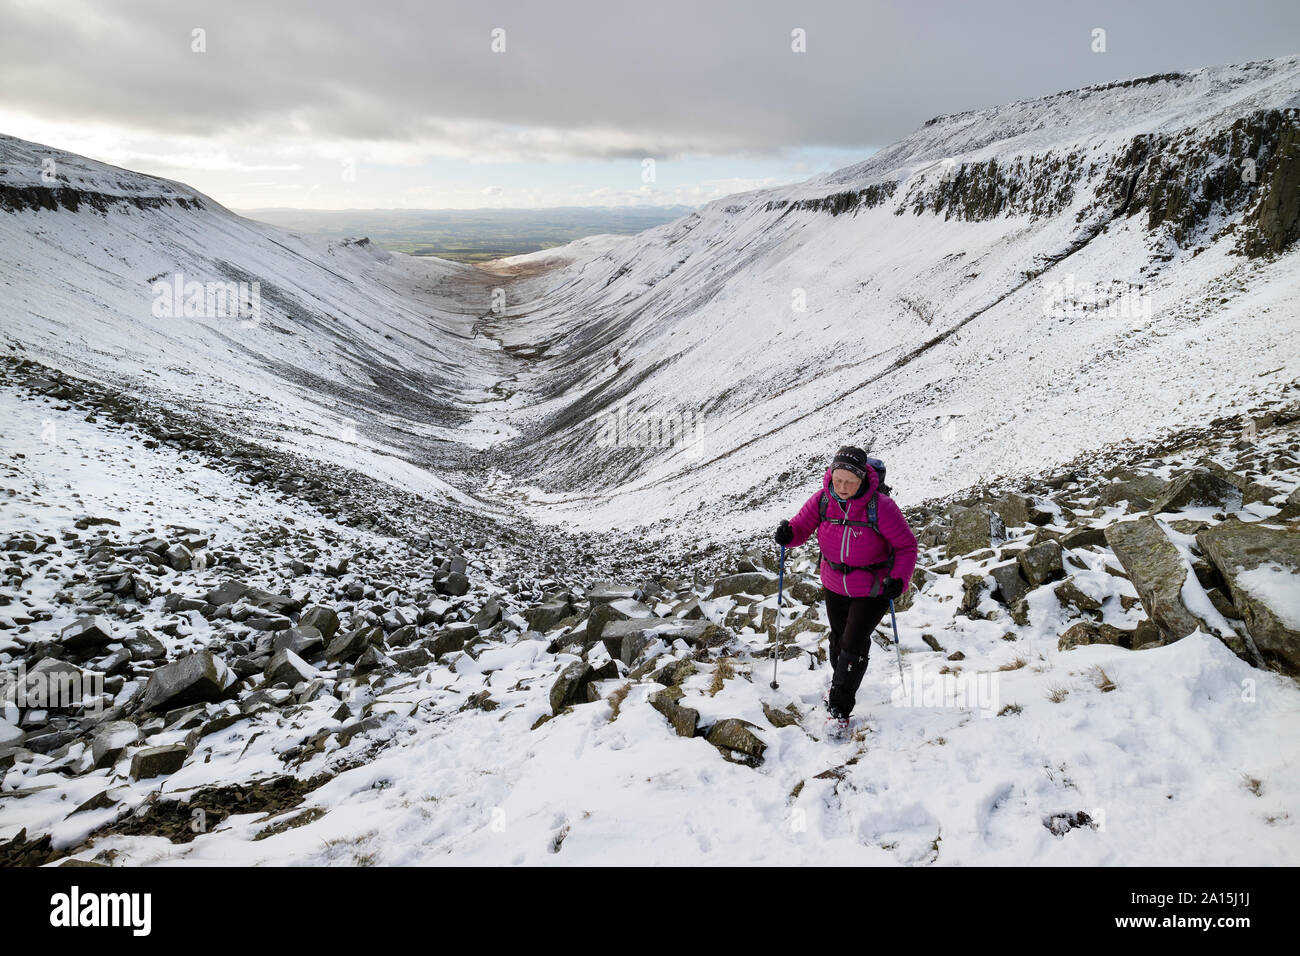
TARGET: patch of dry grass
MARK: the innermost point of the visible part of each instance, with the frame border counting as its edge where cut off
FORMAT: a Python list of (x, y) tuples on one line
[(616, 700), (723, 671)]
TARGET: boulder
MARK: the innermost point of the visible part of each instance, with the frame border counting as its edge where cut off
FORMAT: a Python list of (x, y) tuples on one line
[(1013, 509), (351, 644), (684, 720), (1261, 566), (303, 640), (806, 592), (751, 582), (372, 658), (1011, 583), (288, 667), (1069, 594), (231, 591), (544, 617), (974, 528), (410, 658), (1251, 491), (1133, 488), (1158, 571), (781, 718), (687, 610), (55, 684), (180, 557), (487, 616), (445, 641), (1146, 634), (454, 584), (323, 618), (1084, 632), (1084, 538), (197, 678), (600, 616), (144, 646), (569, 687), (1041, 563), (110, 740), (1290, 508), (674, 672), (602, 592), (157, 761), (736, 741), (89, 632), (972, 593), (1199, 489)]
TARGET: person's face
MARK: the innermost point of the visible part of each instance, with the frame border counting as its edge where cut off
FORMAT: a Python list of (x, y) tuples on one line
[(846, 482)]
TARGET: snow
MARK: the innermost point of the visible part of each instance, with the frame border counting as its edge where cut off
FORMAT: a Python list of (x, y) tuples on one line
[(1159, 758), (1277, 587)]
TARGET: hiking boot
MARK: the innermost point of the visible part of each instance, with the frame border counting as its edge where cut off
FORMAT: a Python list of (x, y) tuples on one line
[(836, 728)]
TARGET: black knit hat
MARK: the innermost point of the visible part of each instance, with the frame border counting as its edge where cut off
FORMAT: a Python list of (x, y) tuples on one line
[(853, 459)]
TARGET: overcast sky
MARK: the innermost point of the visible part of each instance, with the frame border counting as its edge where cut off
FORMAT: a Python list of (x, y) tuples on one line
[(347, 104)]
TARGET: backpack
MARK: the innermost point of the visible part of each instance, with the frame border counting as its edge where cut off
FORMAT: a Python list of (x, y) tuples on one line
[(888, 564)]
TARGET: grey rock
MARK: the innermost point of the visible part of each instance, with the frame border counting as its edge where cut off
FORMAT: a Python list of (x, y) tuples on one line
[(324, 619), (1197, 489), (735, 739), (1011, 583), (350, 645), (1041, 563), (110, 740), (1157, 570), (974, 528), (286, 666), (157, 761), (752, 582), (87, 632), (194, 679), (1238, 549)]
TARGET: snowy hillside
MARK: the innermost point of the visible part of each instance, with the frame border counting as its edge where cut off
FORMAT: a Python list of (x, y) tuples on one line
[(999, 293), (357, 356)]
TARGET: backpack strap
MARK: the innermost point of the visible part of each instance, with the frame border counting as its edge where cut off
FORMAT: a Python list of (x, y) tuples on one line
[(872, 522)]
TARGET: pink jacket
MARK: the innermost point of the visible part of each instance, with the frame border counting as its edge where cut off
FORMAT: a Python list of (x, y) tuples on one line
[(854, 544)]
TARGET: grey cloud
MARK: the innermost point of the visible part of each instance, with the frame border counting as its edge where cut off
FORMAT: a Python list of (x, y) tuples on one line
[(670, 76)]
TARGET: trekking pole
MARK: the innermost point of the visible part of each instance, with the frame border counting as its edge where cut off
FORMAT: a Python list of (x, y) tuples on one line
[(780, 588), (894, 621)]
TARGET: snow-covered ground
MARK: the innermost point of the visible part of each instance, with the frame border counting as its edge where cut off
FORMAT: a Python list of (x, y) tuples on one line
[(1185, 760)]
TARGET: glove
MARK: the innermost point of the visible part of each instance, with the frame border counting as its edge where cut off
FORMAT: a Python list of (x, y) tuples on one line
[(784, 534), (891, 588)]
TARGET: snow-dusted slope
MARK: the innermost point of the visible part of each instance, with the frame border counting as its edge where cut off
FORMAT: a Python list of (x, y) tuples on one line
[(352, 354), (1084, 269), (1002, 291)]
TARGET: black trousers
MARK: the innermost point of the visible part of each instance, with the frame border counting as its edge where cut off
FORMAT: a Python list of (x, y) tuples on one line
[(852, 620)]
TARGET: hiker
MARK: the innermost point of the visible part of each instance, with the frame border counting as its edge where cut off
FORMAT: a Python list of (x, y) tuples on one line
[(868, 555)]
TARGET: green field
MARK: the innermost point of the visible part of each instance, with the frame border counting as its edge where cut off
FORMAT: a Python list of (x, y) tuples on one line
[(469, 235)]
